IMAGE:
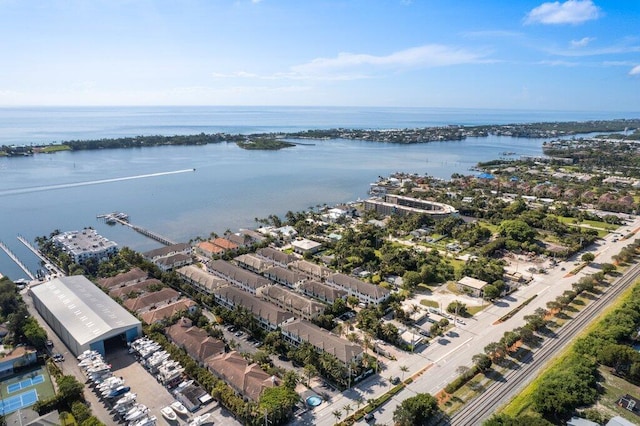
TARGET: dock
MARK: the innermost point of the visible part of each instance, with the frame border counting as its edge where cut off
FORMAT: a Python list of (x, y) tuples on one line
[(46, 262), (16, 260), (123, 219)]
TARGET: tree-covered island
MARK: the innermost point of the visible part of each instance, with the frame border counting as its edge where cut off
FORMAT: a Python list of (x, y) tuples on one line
[(271, 141)]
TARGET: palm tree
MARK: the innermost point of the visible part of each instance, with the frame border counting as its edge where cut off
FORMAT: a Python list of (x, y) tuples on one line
[(337, 414), (347, 409), (404, 369), (359, 401), (310, 371)]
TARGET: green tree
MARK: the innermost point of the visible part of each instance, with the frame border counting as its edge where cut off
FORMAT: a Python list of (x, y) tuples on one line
[(588, 257), (505, 420), (416, 411), (278, 402), (482, 361), (69, 389), (490, 292), (517, 230)]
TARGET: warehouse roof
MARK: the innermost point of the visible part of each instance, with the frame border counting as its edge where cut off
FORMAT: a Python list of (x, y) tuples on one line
[(84, 310)]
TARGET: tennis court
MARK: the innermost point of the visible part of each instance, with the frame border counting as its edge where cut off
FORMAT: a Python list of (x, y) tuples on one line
[(16, 402), (15, 387)]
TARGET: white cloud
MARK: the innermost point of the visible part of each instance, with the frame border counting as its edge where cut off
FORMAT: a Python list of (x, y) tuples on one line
[(427, 56), (359, 66), (569, 12), (559, 63), (635, 70), (583, 42)]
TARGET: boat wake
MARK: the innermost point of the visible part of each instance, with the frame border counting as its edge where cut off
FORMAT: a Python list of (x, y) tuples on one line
[(17, 191)]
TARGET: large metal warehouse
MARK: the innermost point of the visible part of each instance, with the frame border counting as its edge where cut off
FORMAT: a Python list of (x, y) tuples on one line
[(82, 315)]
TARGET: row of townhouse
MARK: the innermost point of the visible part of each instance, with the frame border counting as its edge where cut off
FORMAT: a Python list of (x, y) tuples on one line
[(170, 257), (136, 291), (246, 379)]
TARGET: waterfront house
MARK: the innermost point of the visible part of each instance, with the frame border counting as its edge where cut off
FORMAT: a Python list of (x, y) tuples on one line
[(159, 253), (225, 244), (208, 249), (300, 330)]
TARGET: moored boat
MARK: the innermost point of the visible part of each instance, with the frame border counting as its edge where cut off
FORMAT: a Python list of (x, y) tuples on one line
[(179, 408), (168, 413)]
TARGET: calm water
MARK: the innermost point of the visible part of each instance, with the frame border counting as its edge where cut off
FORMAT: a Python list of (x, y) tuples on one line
[(230, 186)]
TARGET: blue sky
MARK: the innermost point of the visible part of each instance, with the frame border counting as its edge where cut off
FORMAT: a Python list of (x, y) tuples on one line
[(564, 55)]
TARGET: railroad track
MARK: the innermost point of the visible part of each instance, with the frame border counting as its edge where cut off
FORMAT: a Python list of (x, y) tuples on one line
[(481, 407)]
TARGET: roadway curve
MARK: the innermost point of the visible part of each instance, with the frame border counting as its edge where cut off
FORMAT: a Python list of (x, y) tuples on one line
[(481, 407)]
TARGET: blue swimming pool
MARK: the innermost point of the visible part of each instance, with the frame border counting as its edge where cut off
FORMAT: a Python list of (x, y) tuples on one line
[(314, 401)]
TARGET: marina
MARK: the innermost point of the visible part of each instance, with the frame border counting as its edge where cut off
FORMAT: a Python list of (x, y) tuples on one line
[(123, 219)]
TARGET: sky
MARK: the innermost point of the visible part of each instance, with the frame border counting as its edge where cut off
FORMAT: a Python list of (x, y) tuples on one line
[(569, 55)]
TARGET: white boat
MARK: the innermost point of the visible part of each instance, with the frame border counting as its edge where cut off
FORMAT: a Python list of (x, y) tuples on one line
[(136, 413), (200, 420), (168, 413), (127, 398), (134, 408), (124, 408), (110, 383), (145, 421), (88, 354), (179, 408)]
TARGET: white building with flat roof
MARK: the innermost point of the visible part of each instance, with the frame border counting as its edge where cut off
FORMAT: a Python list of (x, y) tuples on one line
[(82, 315), (85, 244)]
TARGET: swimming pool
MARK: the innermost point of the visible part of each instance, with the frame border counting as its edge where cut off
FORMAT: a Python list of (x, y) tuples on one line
[(314, 401)]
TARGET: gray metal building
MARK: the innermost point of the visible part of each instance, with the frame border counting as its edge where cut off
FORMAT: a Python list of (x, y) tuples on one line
[(82, 315)]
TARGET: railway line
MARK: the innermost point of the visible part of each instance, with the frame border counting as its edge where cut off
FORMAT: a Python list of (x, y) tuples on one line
[(481, 407)]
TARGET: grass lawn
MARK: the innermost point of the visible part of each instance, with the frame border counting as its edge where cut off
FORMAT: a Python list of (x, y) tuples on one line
[(56, 148), (614, 388), (491, 227), (472, 310), (457, 264), (593, 223), (429, 303)]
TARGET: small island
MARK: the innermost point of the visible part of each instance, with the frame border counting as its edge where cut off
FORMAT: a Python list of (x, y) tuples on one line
[(268, 144)]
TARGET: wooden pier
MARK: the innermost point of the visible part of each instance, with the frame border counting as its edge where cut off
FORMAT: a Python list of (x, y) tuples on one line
[(123, 219), (16, 260)]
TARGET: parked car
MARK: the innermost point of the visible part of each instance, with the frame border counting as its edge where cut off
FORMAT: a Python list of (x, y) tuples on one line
[(238, 334), (58, 357), (369, 417), (49, 343)]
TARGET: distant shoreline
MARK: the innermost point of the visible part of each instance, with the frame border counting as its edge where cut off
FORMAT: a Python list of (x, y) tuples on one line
[(278, 140)]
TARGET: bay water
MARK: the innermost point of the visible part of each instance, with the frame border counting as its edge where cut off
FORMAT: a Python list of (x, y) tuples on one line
[(217, 187)]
